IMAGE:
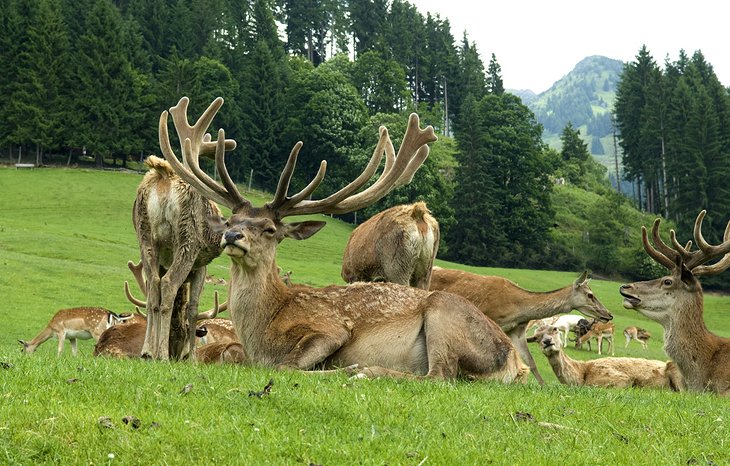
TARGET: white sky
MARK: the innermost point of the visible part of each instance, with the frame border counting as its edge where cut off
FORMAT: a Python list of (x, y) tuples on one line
[(537, 42)]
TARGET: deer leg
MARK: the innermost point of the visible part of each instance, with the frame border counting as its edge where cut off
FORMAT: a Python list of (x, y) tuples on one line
[(151, 266), (197, 280), (74, 350), (313, 349), (628, 339), (61, 337), (170, 284), (517, 335)]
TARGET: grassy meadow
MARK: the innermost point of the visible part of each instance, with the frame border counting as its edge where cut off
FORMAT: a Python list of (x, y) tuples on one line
[(65, 239)]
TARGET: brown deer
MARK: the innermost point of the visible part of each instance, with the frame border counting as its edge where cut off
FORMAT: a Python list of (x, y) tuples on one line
[(398, 245), (638, 334), (599, 331), (513, 307), (219, 352), (676, 302), (123, 341), (607, 372), (217, 331), (77, 323), (398, 330), (175, 240)]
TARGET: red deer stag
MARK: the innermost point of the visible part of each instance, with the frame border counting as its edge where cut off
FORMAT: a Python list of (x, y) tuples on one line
[(77, 323), (607, 372), (398, 245), (676, 302), (512, 307), (175, 240), (384, 328)]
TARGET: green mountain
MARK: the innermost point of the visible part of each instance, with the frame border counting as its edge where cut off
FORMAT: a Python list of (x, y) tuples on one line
[(585, 98)]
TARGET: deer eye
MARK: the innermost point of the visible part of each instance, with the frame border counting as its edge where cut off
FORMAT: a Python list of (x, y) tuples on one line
[(667, 282), (270, 230)]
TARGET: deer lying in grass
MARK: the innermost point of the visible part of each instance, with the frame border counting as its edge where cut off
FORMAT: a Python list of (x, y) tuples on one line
[(221, 352), (217, 331), (398, 245), (599, 331), (512, 307), (638, 334), (77, 323), (607, 372), (175, 241), (398, 330), (676, 302), (123, 341)]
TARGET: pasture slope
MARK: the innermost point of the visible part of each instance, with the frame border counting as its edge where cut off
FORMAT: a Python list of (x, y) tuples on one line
[(65, 239)]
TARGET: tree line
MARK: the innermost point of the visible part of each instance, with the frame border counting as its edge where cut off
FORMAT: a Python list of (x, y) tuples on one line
[(93, 76)]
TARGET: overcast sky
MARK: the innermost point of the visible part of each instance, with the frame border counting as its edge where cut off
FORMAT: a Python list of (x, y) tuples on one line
[(537, 42)]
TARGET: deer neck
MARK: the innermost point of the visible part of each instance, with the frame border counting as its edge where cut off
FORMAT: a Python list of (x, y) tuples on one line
[(687, 339), (255, 296), (567, 370), (537, 305)]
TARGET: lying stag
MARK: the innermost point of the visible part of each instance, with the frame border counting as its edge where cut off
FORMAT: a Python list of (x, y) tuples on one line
[(676, 302), (398, 245), (398, 330), (77, 323), (512, 307), (607, 372)]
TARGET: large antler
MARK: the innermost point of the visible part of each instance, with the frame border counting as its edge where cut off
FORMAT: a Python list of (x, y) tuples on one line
[(693, 260), (194, 142)]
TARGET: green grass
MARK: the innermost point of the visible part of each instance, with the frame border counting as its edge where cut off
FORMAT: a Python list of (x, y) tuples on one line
[(65, 238)]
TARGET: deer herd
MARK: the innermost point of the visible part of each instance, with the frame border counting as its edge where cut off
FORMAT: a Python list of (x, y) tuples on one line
[(398, 315)]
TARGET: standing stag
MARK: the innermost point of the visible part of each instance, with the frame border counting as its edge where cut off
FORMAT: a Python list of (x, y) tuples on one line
[(398, 245), (676, 302), (384, 328), (512, 307), (176, 241)]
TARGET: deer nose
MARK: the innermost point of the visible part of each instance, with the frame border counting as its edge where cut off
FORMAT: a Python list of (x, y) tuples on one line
[(232, 236)]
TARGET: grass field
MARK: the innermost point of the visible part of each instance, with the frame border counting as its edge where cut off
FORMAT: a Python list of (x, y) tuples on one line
[(65, 239)]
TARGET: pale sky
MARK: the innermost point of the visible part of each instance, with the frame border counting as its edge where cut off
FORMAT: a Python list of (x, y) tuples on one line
[(537, 42)]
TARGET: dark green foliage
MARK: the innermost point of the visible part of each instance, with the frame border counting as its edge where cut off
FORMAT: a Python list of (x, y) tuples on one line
[(502, 194)]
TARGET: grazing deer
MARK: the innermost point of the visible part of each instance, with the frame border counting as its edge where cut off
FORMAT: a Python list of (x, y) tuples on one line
[(77, 323), (599, 331), (398, 245), (676, 302), (607, 372), (175, 241), (398, 330), (512, 307), (638, 334)]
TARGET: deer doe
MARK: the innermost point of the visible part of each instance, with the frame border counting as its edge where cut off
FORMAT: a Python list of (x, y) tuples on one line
[(607, 372), (398, 330), (397, 245), (512, 307), (77, 323), (676, 302)]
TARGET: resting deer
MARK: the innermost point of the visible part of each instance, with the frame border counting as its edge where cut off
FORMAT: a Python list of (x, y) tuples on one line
[(607, 372), (384, 328), (175, 241), (676, 302), (512, 307), (77, 323), (217, 331), (638, 334), (221, 352), (398, 245), (599, 331)]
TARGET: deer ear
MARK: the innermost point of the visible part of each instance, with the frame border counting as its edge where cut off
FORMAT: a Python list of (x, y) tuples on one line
[(302, 230), (584, 277)]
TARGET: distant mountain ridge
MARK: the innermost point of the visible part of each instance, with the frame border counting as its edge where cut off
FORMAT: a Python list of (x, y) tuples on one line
[(583, 97)]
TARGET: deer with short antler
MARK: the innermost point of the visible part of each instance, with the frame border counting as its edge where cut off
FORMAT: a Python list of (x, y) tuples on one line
[(383, 328), (676, 302), (175, 241)]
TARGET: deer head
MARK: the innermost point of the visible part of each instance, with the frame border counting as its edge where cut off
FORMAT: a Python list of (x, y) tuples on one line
[(678, 293)]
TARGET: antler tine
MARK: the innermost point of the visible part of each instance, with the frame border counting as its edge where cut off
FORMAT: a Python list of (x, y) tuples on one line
[(281, 199), (297, 203), (659, 243), (708, 252), (201, 142), (398, 169), (683, 251), (653, 253), (216, 309), (137, 271), (132, 299)]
